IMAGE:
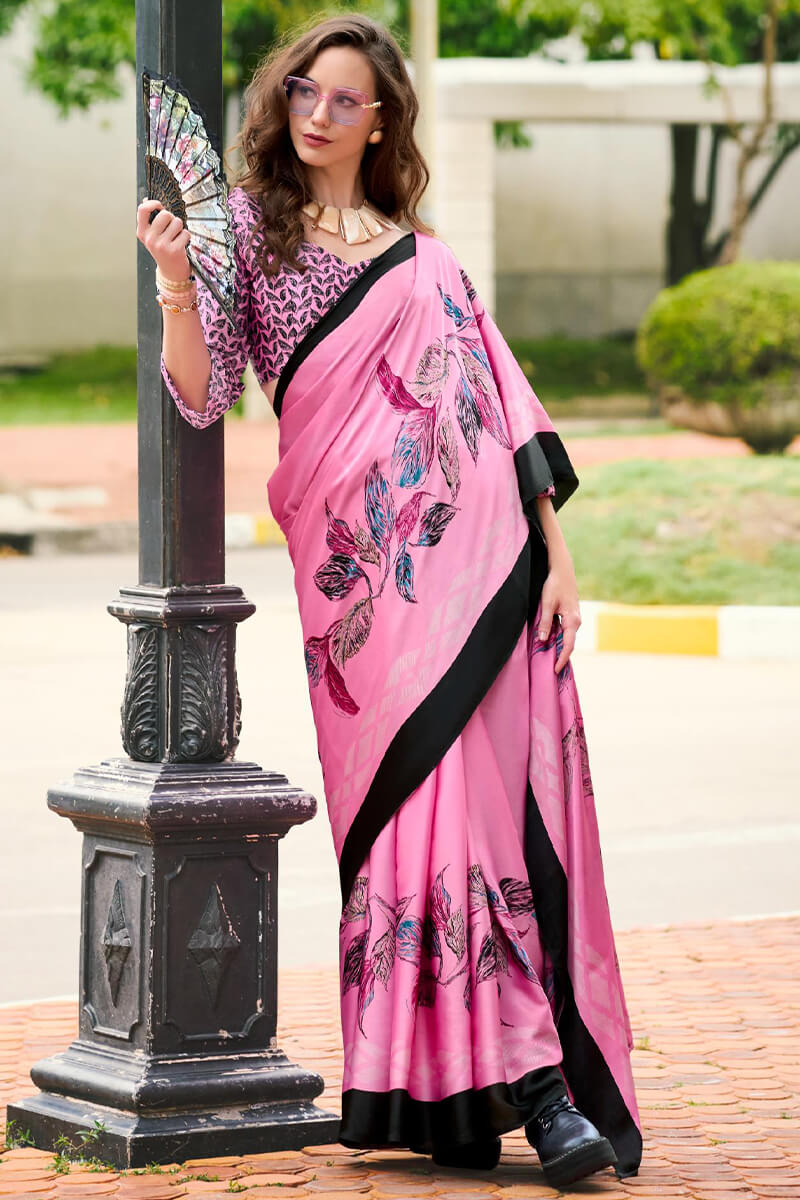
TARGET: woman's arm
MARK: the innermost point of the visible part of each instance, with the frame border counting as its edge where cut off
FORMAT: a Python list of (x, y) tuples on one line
[(185, 356), (202, 357), (546, 475), (560, 588)]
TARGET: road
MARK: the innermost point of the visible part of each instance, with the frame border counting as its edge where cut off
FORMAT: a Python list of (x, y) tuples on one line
[(693, 762)]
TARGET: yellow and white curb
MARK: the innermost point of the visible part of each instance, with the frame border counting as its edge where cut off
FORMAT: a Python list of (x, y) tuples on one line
[(243, 530), (723, 631), (720, 631)]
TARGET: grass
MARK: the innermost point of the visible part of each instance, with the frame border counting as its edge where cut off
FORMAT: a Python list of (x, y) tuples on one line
[(100, 384), (67, 1152), (87, 385), (559, 367), (694, 531)]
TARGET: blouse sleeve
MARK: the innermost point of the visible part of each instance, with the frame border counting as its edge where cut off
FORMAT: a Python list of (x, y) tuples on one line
[(229, 349)]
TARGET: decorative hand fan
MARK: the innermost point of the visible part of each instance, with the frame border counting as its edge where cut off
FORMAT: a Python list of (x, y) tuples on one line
[(183, 170)]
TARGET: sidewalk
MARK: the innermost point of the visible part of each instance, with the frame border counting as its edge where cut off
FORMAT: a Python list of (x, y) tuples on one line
[(715, 1018)]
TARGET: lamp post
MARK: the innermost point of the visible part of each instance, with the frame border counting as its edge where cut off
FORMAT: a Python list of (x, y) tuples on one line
[(176, 1054)]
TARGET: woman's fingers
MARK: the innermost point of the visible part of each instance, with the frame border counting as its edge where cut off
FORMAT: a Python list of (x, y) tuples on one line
[(164, 227), (143, 214), (164, 235), (546, 619), (569, 633), (549, 605)]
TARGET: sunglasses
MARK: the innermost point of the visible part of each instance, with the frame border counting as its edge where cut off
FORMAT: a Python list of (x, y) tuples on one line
[(345, 105)]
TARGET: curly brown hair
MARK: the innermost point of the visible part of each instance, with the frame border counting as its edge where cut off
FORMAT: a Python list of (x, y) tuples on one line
[(393, 171)]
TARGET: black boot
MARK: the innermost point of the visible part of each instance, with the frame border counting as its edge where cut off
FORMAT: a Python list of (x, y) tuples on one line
[(568, 1144), (475, 1156)]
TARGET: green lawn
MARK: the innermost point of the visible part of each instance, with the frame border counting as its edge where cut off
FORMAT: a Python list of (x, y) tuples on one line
[(697, 531), (88, 385)]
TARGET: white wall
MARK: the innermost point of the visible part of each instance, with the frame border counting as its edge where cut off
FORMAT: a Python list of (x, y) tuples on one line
[(69, 211), (580, 224)]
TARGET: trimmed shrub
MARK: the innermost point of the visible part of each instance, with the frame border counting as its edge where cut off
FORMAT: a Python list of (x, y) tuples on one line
[(722, 351)]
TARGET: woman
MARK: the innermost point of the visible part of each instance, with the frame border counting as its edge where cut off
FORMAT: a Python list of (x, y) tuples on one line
[(417, 485)]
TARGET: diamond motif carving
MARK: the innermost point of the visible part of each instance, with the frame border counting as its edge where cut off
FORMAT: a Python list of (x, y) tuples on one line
[(116, 941), (213, 943)]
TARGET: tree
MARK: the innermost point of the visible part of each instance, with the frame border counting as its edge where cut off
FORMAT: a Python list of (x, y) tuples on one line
[(488, 28), (82, 47), (724, 32)]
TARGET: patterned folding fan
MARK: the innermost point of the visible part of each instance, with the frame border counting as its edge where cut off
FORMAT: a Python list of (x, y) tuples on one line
[(184, 171)]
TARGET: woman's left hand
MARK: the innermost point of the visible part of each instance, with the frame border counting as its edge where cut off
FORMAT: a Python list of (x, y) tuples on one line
[(560, 596)]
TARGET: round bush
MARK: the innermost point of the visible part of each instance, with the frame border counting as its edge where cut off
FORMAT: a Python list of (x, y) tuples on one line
[(722, 350)]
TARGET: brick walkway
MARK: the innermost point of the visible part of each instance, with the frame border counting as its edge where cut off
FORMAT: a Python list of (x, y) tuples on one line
[(715, 1010), (104, 456)]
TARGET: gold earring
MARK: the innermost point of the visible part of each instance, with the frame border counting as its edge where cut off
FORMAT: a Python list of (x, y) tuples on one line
[(375, 136)]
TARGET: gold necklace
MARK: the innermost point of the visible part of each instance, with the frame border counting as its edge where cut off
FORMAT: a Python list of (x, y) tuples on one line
[(354, 225)]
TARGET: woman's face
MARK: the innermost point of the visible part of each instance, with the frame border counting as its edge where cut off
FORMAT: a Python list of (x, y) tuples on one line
[(319, 141)]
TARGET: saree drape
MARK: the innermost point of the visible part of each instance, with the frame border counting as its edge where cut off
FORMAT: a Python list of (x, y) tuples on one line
[(477, 955)]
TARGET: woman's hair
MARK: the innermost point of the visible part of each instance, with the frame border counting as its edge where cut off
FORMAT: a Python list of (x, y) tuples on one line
[(393, 170)]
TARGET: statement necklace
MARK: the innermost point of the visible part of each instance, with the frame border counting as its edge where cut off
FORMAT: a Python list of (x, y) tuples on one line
[(354, 225)]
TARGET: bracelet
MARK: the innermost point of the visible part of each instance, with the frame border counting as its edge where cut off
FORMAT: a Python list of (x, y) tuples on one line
[(178, 297), (176, 308), (176, 284)]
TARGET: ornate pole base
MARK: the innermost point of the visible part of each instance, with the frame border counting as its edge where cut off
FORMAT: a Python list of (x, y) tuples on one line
[(177, 1053)]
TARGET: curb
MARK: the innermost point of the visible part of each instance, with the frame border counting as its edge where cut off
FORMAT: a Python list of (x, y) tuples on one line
[(717, 631), (725, 631), (60, 536), (243, 530)]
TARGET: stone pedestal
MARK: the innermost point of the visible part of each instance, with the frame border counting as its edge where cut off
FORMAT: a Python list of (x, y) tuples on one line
[(176, 1054)]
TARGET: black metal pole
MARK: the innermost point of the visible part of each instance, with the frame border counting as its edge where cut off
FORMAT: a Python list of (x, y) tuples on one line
[(176, 1054)]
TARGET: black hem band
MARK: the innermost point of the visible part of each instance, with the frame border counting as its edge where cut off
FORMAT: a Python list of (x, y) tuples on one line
[(379, 1120)]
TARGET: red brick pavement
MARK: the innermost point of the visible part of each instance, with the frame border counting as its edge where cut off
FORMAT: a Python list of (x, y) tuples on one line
[(715, 1010), (104, 455)]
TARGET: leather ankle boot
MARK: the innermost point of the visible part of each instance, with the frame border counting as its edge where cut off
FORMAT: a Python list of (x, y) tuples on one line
[(568, 1144)]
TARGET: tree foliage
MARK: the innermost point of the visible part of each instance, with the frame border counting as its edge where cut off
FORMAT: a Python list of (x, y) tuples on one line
[(727, 32), (82, 47), (488, 28)]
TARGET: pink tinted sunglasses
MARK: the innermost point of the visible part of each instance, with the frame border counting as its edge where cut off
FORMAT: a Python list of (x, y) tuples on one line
[(345, 105)]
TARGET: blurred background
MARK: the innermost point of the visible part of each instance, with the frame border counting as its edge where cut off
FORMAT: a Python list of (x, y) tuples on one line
[(620, 179)]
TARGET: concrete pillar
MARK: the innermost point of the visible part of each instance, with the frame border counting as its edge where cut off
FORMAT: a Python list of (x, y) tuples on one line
[(464, 168), (424, 53), (256, 405)]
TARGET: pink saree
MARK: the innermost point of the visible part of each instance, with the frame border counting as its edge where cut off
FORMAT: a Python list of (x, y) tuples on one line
[(477, 959)]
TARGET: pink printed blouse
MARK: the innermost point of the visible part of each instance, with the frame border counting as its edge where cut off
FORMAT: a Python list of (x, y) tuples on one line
[(272, 315)]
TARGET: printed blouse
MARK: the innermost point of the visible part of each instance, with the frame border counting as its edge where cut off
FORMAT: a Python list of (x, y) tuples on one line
[(272, 315)]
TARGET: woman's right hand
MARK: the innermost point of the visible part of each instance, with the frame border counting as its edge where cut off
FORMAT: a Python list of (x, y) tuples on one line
[(166, 239)]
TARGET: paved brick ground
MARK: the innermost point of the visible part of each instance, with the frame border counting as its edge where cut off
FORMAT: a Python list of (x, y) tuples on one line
[(715, 1010), (104, 455)]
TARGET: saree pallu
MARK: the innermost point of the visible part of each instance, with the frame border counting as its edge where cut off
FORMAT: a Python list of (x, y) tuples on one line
[(476, 950)]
